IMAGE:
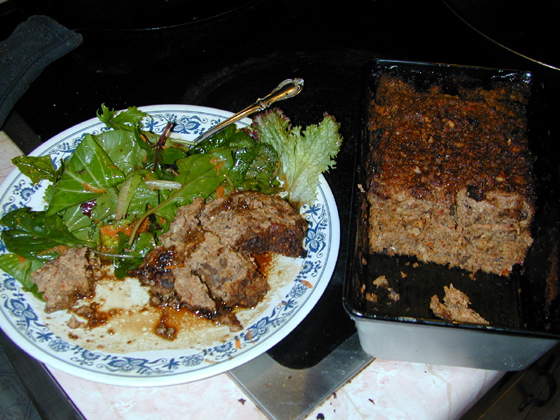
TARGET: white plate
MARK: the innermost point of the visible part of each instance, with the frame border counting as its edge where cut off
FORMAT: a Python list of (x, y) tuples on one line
[(23, 319)]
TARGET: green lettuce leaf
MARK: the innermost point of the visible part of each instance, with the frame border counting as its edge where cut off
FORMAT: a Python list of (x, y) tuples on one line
[(35, 235), (37, 168), (20, 269), (262, 174), (123, 150), (125, 120), (89, 173), (199, 176), (80, 225), (304, 155), (143, 244), (220, 139), (105, 206)]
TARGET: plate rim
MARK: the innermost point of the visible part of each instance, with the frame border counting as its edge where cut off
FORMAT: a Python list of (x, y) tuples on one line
[(208, 370)]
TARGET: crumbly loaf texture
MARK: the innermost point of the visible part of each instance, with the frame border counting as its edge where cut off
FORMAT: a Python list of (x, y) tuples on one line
[(207, 260), (449, 176), (455, 307)]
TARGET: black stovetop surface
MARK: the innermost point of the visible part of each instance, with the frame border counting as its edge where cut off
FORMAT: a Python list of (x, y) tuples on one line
[(230, 60)]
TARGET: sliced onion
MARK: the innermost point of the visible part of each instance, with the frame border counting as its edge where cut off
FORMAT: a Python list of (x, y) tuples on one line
[(126, 192), (161, 184)]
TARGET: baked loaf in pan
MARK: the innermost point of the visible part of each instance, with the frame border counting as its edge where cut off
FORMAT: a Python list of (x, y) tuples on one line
[(449, 175)]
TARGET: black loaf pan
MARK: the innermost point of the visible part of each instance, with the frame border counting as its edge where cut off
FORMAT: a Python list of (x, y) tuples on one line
[(523, 309)]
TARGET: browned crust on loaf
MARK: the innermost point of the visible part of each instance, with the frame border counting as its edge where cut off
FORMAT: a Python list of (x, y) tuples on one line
[(206, 261), (256, 223), (449, 176)]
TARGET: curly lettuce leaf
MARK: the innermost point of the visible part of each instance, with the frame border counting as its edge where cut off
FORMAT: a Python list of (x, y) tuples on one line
[(304, 155)]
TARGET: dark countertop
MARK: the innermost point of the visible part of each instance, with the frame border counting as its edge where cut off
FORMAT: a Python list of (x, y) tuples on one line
[(228, 61)]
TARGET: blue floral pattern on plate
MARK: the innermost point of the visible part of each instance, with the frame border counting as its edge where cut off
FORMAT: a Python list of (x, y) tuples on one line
[(21, 314)]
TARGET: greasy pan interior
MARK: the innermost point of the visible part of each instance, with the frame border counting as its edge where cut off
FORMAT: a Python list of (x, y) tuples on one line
[(527, 301)]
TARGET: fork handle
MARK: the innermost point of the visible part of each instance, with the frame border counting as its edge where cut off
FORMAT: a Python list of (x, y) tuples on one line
[(285, 90)]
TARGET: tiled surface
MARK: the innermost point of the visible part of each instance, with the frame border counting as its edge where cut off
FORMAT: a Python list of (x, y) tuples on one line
[(14, 401), (385, 390)]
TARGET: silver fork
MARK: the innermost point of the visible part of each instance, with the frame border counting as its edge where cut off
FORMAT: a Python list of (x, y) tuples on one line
[(285, 90)]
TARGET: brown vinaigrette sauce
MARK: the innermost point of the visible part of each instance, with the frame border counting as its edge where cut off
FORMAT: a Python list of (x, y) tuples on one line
[(165, 321)]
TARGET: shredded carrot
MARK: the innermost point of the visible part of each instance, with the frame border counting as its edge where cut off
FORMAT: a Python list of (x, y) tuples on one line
[(142, 228), (59, 248), (307, 284), (113, 231), (218, 164), (237, 344), (127, 230), (220, 191), (91, 188), (109, 230)]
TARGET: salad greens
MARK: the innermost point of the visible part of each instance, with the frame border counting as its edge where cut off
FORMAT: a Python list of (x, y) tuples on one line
[(304, 155), (120, 189)]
